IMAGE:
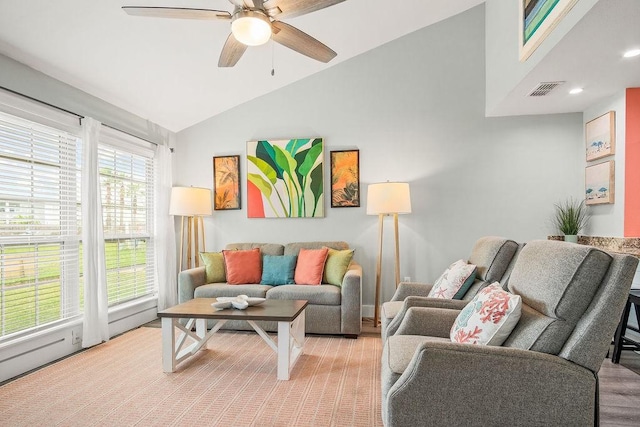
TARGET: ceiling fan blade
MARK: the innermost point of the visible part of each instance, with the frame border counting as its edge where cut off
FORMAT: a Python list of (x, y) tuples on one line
[(231, 53), (293, 8), (257, 4), (176, 12), (301, 42)]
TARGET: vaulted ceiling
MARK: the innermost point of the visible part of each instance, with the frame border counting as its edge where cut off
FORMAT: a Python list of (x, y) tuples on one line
[(165, 70)]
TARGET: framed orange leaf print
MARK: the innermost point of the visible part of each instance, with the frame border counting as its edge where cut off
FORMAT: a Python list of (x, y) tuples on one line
[(226, 183), (345, 179)]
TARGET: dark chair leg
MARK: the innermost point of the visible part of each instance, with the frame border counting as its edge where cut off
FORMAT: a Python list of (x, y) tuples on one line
[(622, 326), (351, 336)]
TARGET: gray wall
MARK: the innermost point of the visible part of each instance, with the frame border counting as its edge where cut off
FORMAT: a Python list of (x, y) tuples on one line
[(415, 109)]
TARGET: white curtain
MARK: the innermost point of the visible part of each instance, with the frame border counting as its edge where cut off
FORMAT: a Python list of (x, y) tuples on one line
[(165, 236), (95, 327)]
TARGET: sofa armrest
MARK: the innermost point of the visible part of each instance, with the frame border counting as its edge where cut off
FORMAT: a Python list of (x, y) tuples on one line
[(188, 281), (406, 289), (428, 321), (351, 300), (414, 301), (447, 383)]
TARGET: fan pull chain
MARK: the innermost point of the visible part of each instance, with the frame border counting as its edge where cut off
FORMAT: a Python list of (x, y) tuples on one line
[(273, 70)]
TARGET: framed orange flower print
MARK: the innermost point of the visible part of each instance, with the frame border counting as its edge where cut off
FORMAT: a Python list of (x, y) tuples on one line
[(226, 183), (345, 179)]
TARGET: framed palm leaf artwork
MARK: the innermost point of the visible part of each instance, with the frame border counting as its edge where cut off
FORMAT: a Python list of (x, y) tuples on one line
[(345, 179), (285, 178), (226, 183)]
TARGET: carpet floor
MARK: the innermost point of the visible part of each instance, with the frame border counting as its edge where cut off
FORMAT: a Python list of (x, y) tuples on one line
[(336, 382)]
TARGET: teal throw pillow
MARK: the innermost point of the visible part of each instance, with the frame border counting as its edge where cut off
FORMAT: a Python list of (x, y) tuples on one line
[(278, 269), (466, 285)]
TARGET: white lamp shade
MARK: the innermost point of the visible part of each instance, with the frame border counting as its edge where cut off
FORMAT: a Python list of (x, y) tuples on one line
[(388, 198), (190, 201), (251, 28)]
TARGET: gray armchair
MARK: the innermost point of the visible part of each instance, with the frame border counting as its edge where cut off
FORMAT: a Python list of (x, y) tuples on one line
[(494, 257), (546, 371)]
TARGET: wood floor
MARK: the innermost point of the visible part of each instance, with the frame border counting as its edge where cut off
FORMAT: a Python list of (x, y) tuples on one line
[(619, 387)]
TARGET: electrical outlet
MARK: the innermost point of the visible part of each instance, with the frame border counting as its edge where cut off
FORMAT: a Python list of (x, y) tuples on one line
[(75, 338), (407, 278)]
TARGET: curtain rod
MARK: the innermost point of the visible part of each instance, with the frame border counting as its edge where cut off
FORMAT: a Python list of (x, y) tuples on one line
[(79, 116)]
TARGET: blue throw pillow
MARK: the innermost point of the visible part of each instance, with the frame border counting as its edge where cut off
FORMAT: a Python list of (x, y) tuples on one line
[(278, 270)]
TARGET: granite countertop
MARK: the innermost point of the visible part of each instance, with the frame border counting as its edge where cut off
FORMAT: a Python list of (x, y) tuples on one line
[(623, 245)]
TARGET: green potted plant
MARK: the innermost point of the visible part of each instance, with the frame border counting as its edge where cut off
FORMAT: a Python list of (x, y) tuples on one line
[(570, 218)]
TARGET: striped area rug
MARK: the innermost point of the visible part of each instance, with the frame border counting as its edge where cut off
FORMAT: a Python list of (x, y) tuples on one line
[(231, 383)]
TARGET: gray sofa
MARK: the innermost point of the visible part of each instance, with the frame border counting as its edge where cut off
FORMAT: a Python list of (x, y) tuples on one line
[(494, 258), (331, 309), (545, 373)]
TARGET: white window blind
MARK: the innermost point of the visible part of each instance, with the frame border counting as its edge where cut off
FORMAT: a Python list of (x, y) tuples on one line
[(39, 224), (126, 185)]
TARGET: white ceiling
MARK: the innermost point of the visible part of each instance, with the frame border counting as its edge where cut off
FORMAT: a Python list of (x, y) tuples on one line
[(165, 70)]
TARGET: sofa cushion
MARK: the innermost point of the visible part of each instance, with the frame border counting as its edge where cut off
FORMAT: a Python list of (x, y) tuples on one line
[(213, 267), (556, 280), (454, 282), (294, 248), (336, 266), (310, 266), (242, 266), (488, 319), (318, 295), (214, 290), (278, 269), (265, 248), (492, 255)]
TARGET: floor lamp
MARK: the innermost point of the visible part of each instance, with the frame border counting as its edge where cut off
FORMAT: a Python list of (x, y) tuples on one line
[(190, 203), (387, 198)]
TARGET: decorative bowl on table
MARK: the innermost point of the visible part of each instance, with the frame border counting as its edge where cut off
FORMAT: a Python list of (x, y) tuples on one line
[(240, 302)]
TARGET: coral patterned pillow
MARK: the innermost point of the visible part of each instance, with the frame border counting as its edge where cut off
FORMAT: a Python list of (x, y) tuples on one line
[(489, 317), (454, 282)]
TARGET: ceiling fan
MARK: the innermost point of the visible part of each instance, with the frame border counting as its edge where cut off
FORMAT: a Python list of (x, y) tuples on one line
[(254, 22)]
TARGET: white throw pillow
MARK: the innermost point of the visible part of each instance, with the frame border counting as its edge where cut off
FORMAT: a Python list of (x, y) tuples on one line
[(454, 282), (489, 317)]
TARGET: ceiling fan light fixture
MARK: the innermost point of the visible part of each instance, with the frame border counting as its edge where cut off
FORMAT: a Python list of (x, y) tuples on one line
[(251, 28)]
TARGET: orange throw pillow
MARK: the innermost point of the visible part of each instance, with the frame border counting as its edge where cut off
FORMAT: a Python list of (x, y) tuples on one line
[(243, 267), (310, 266)]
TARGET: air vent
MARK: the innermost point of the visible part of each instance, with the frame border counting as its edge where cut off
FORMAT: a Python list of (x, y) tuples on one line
[(544, 88)]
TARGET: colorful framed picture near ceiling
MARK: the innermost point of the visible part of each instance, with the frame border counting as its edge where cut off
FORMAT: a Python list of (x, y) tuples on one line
[(599, 183), (226, 183), (285, 178), (345, 179), (600, 135), (536, 19)]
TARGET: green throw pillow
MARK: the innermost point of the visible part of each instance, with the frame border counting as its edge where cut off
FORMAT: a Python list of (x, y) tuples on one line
[(336, 266), (278, 270), (213, 267)]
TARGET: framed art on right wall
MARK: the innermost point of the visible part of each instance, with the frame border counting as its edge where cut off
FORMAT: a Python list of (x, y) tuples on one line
[(600, 136), (599, 183)]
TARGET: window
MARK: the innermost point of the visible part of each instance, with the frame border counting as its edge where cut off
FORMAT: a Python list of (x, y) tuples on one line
[(126, 187), (40, 216), (39, 224)]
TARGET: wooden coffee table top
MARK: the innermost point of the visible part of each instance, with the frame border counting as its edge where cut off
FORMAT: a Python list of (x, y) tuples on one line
[(272, 309)]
